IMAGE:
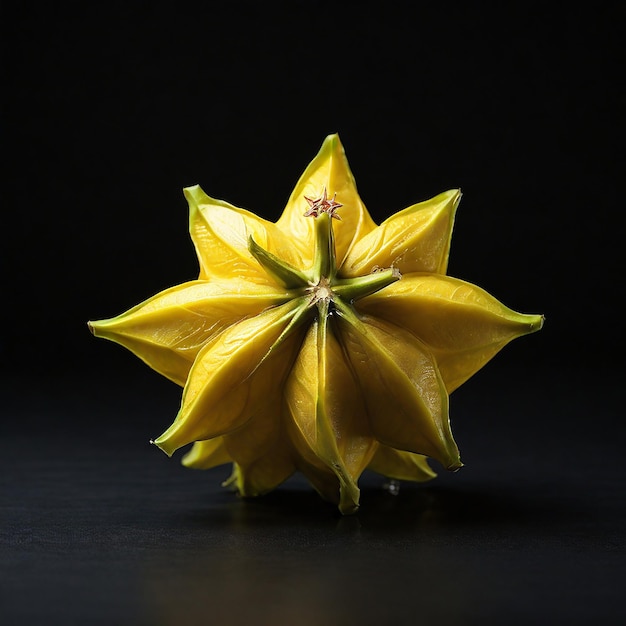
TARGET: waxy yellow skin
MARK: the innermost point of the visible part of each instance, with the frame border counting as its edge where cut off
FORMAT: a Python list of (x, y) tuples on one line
[(321, 343)]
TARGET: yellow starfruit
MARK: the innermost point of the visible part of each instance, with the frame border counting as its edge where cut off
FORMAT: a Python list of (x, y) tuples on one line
[(322, 343)]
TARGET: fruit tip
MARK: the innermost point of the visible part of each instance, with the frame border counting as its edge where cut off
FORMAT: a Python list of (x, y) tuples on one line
[(455, 467), (332, 142), (537, 324), (155, 442)]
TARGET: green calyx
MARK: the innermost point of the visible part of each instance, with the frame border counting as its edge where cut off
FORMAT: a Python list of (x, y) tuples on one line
[(320, 285), (285, 274)]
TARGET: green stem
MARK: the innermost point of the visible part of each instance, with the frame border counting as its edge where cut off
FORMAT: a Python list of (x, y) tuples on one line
[(286, 275), (351, 289), (299, 313), (325, 263)]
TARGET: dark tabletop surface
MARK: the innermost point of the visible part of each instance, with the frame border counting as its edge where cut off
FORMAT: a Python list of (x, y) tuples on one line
[(99, 527)]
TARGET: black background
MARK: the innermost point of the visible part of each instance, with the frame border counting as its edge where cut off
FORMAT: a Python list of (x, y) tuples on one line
[(110, 109)]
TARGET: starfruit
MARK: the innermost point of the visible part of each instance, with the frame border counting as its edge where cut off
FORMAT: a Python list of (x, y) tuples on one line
[(322, 343)]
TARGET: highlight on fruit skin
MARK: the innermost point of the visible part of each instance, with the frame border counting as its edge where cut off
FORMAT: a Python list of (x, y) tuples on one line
[(321, 343)]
